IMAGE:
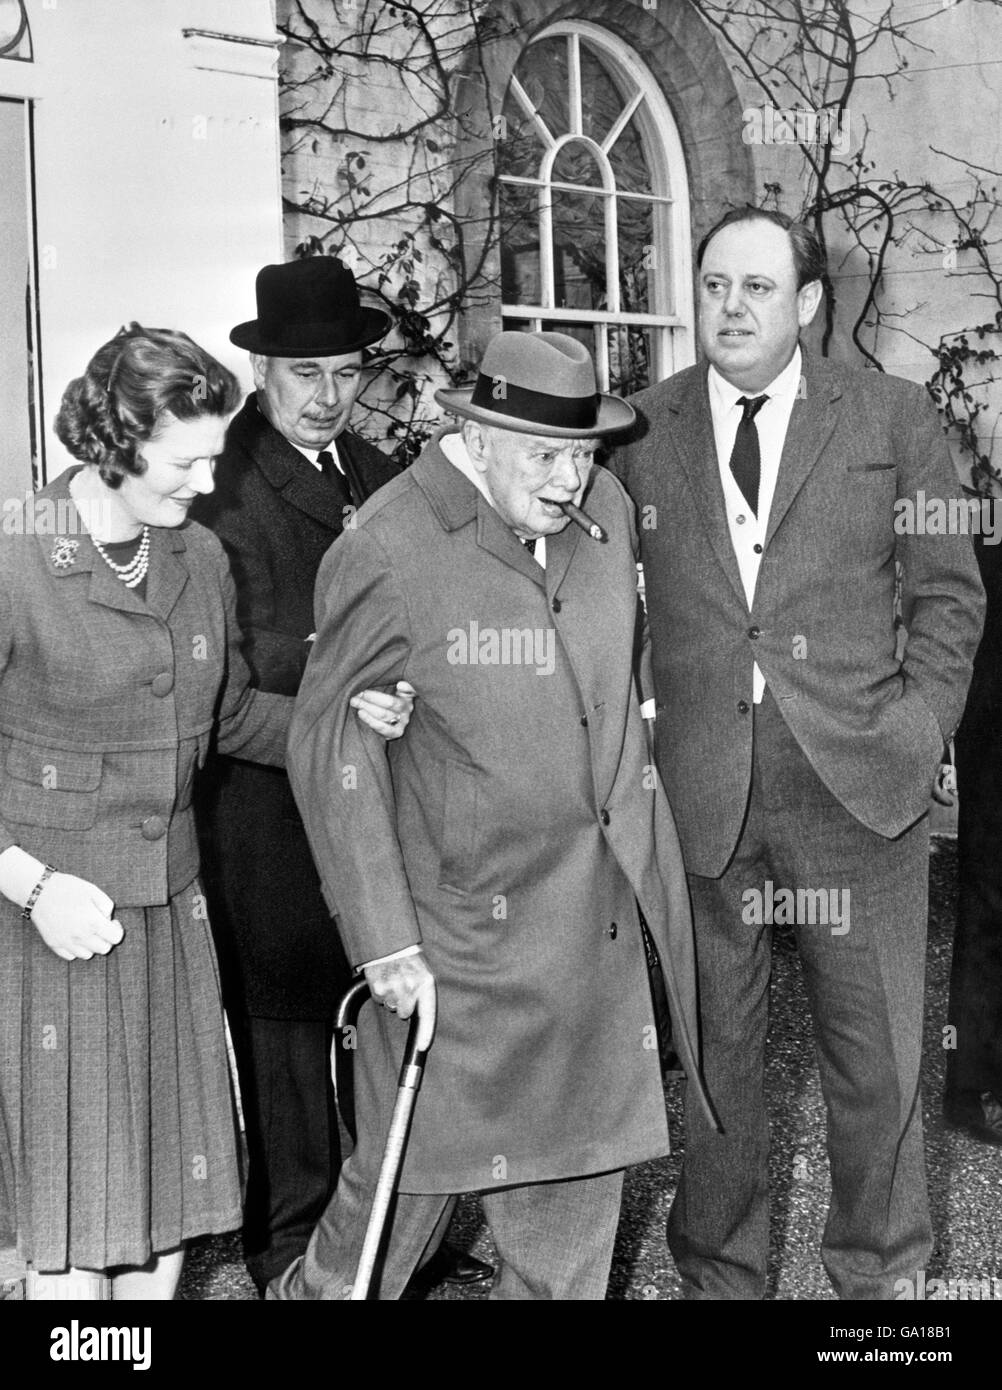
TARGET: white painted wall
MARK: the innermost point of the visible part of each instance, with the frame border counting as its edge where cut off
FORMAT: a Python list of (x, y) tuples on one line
[(157, 173)]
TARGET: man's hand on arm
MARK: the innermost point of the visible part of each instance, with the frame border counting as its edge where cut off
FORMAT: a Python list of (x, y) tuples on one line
[(388, 715), (400, 984)]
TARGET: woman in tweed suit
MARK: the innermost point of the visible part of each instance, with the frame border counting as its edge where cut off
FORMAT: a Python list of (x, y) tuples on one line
[(119, 658)]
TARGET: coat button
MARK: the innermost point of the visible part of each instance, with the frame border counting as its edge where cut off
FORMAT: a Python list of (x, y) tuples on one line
[(556, 605), (743, 707), (154, 828), (605, 818), (584, 721), (754, 633), (613, 931), (163, 684)]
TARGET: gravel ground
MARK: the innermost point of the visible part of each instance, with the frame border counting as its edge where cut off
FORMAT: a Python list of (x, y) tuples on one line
[(965, 1177)]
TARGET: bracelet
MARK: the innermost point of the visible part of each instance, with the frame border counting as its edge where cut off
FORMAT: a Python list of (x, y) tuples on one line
[(47, 873)]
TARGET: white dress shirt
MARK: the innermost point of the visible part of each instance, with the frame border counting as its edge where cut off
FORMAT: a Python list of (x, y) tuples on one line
[(313, 456), (748, 530)]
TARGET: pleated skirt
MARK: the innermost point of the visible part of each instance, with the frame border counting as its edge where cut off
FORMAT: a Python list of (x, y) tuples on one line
[(117, 1124)]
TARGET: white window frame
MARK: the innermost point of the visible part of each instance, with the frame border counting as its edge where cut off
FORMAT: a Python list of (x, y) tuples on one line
[(671, 326)]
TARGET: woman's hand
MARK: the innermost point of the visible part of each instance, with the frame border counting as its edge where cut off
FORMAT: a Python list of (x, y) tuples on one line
[(389, 715), (74, 918)]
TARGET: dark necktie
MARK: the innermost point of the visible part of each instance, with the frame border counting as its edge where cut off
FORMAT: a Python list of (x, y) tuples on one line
[(746, 460), (335, 477)]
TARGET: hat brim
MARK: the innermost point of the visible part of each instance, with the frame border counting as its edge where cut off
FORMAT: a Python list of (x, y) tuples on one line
[(315, 341), (613, 415)]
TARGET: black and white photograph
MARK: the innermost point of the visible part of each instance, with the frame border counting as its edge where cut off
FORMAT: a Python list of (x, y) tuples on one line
[(501, 664)]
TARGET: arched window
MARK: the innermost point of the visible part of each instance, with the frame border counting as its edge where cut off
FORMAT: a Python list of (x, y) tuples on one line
[(15, 36), (594, 206)]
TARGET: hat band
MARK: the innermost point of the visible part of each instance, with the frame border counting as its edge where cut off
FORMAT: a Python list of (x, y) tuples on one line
[(295, 331), (535, 407)]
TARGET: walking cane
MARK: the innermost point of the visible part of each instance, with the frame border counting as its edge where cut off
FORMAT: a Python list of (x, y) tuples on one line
[(411, 1073)]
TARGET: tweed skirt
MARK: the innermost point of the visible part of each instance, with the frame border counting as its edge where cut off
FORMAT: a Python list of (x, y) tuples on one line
[(117, 1126)]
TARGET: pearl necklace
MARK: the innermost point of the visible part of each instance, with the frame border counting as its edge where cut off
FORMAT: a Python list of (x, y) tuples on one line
[(135, 571)]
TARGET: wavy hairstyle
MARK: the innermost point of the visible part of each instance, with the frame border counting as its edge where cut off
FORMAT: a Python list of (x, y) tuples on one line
[(132, 383)]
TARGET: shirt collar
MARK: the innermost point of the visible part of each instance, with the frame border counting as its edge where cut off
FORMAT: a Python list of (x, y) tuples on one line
[(312, 456), (725, 396)]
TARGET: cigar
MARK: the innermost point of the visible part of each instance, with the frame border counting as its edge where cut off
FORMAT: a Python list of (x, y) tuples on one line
[(584, 521)]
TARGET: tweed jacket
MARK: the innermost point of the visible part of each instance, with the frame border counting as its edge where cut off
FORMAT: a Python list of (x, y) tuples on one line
[(821, 627), (276, 516), (107, 700), (511, 831)]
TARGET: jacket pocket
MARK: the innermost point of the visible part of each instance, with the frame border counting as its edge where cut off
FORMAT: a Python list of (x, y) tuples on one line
[(459, 828), (55, 787)]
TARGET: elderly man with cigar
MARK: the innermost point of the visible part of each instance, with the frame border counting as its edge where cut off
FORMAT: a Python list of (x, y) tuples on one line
[(506, 852)]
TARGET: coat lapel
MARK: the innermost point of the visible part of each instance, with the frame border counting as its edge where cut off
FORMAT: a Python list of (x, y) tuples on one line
[(288, 472), (812, 423), (500, 541), (559, 553), (690, 435), (456, 502), (168, 573)]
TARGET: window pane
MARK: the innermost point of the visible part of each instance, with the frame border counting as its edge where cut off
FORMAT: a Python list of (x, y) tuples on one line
[(637, 257), (575, 163), (601, 100), (629, 360), (542, 71), (629, 162), (520, 147), (578, 250), (519, 208)]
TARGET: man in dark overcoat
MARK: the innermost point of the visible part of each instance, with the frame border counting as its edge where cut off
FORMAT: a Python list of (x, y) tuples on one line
[(290, 479), (499, 852), (798, 746)]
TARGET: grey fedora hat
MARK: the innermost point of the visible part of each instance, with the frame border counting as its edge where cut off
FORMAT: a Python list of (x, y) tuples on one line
[(538, 383)]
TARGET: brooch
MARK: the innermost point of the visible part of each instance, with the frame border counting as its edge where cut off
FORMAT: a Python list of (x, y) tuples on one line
[(64, 552)]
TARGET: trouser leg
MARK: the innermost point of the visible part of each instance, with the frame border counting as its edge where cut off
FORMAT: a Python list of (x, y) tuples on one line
[(859, 905), (327, 1270), (292, 1136), (865, 978), (554, 1240), (866, 991), (718, 1228)]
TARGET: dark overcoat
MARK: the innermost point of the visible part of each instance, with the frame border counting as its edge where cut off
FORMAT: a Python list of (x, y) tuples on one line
[(510, 832), (276, 516)]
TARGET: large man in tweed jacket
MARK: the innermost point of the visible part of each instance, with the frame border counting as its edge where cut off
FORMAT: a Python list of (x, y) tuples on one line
[(798, 750)]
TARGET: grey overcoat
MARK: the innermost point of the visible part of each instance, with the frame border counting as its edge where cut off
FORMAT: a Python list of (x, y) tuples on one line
[(510, 832)]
